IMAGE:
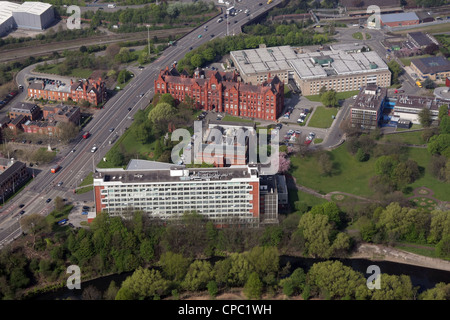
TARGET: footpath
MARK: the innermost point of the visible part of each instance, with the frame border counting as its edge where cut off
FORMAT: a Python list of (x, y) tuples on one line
[(383, 253)]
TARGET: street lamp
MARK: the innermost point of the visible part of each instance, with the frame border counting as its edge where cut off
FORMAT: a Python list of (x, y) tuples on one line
[(148, 40)]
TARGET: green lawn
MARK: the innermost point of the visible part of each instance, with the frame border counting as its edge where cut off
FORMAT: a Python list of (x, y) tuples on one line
[(353, 177), (322, 117), (414, 137), (227, 117), (349, 175), (88, 181), (357, 35), (422, 250), (297, 195), (77, 72), (422, 157), (413, 127), (340, 95)]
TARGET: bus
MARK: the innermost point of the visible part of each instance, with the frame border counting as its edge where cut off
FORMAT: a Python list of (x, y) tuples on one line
[(55, 169)]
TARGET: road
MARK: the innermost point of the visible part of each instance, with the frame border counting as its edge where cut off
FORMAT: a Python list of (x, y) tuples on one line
[(76, 165)]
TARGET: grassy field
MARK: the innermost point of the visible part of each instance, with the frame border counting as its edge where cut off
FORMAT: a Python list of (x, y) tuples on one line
[(297, 195), (422, 157), (340, 95), (77, 72), (444, 27), (414, 126), (237, 119), (88, 181), (322, 117), (421, 250), (353, 177), (359, 36), (414, 137), (407, 61), (349, 175)]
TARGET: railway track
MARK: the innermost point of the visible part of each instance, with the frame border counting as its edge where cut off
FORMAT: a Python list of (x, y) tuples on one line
[(43, 49)]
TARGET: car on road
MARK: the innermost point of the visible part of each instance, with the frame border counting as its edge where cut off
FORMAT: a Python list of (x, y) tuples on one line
[(60, 184), (73, 150), (141, 67), (129, 109), (111, 129), (94, 149), (190, 48), (212, 36), (22, 212), (21, 206), (199, 36), (48, 200)]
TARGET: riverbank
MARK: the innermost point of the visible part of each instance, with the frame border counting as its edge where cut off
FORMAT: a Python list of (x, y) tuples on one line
[(383, 253)]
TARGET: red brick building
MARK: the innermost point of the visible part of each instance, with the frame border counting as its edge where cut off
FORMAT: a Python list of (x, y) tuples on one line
[(399, 19), (62, 113), (93, 91), (222, 92)]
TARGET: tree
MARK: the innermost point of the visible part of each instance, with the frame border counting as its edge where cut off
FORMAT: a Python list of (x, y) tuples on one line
[(67, 131), (161, 114), (198, 276), (59, 204), (116, 158), (111, 292), (444, 125), (425, 117), (325, 164), (335, 279), (440, 225), (174, 265), (361, 156), (396, 70), (443, 247), (440, 292), (143, 284), (316, 230), (91, 293), (394, 288), (429, 84), (443, 111), (124, 76), (329, 99), (284, 163), (213, 290), (440, 144), (34, 224), (253, 287), (431, 49), (385, 165)]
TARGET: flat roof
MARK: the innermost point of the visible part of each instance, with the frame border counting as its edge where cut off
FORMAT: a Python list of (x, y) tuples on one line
[(432, 64), (418, 102), (370, 98), (33, 7), (396, 17), (272, 59), (343, 63), (153, 171)]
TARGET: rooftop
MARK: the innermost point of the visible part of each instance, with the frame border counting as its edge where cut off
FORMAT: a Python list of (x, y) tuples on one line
[(142, 171), (421, 38), (33, 7), (24, 107), (418, 102), (398, 17), (15, 167), (370, 98), (259, 60), (308, 65), (40, 85)]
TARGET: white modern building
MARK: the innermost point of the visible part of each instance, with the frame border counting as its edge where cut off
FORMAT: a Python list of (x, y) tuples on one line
[(224, 195)]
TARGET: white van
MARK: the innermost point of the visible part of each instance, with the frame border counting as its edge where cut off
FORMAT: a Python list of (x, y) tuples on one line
[(111, 5)]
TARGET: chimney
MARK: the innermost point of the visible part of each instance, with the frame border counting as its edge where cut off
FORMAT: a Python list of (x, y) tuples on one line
[(43, 85)]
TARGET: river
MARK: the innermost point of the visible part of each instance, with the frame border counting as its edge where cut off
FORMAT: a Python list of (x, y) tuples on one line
[(425, 278)]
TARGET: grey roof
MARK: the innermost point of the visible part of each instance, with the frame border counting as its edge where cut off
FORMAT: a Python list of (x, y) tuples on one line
[(432, 65), (15, 167), (421, 38), (136, 164), (397, 17)]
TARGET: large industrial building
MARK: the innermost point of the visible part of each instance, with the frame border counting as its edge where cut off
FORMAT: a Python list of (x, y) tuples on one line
[(337, 69), (28, 15), (236, 194)]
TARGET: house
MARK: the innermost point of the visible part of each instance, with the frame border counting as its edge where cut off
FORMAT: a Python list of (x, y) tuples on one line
[(421, 40), (398, 19), (29, 110)]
